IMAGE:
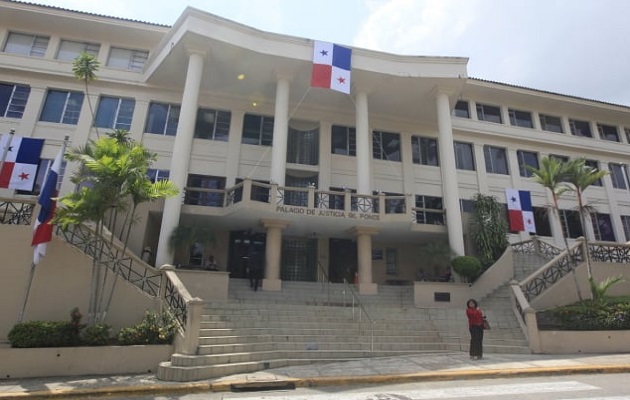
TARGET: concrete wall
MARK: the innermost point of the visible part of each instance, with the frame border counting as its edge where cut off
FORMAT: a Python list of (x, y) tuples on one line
[(574, 342), (61, 282), (207, 285)]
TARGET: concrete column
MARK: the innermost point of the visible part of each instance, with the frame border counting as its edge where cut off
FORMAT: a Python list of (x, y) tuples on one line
[(364, 156), (505, 115), (280, 131), (139, 116), (234, 147), (536, 120), (482, 175), (273, 251), (364, 258), (33, 107), (473, 110), (407, 164), (325, 157), (449, 175), (181, 154)]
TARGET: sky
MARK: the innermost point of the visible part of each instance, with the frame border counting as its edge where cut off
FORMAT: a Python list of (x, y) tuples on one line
[(573, 47)]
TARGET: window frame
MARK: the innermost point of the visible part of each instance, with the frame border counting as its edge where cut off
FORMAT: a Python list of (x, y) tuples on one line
[(88, 47), (601, 129), (459, 111), (346, 135), (119, 118), (68, 113), (220, 131), (523, 164), (577, 125), (170, 120), (484, 114), (265, 130), (594, 164), (493, 165), (37, 48), (459, 163), (547, 125), (617, 176), (515, 119), (424, 151), (379, 151), (16, 100), (136, 59)]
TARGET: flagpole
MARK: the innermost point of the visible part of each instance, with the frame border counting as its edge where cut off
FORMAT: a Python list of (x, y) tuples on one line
[(31, 274), (5, 151)]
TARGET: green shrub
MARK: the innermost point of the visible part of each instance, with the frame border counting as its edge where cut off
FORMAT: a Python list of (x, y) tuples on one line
[(468, 267), (44, 334), (154, 329), (588, 315), (96, 335)]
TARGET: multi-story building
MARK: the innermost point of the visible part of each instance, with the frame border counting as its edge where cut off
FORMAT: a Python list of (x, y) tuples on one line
[(306, 181)]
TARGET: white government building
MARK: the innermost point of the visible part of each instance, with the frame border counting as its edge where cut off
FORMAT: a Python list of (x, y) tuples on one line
[(305, 181)]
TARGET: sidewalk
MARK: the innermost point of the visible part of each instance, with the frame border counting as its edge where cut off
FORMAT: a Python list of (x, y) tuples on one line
[(414, 368)]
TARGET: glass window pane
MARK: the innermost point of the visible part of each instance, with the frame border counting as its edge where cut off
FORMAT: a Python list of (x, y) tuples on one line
[(119, 58), (106, 112), (53, 106), (156, 118)]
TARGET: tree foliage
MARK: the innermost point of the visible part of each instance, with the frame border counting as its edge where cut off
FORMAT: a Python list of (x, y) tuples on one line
[(490, 229)]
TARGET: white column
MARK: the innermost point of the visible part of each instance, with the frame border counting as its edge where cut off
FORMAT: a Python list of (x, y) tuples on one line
[(364, 156), (139, 116), (482, 175), (325, 157), (280, 132), (273, 252), (364, 258), (181, 154), (234, 147), (449, 175)]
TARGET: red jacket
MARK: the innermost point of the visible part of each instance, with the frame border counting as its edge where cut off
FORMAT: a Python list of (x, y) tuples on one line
[(475, 317)]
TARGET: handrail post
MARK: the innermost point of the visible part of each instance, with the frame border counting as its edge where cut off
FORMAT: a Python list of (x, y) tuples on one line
[(193, 326), (311, 196), (536, 243), (247, 191)]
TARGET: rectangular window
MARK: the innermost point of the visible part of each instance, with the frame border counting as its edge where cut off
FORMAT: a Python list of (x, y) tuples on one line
[(551, 123), (213, 124), (571, 225), (462, 109), (258, 130), (594, 164), (617, 176), (27, 45), (466, 206), (42, 172), (527, 159), (580, 128), (562, 159), (541, 220), (608, 132), (162, 119), (391, 261), (489, 113), (464, 156), (343, 140), (625, 221), (627, 132), (127, 59), (424, 205), (114, 113), (69, 50), (602, 227), (13, 100), (213, 194), (424, 151), (303, 146), (155, 175), (62, 107), (386, 146), (496, 160), (521, 118)]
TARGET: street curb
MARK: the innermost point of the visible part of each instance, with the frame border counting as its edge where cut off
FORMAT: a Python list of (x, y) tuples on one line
[(227, 386)]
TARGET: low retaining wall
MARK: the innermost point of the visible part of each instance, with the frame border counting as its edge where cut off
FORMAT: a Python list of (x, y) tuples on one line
[(74, 361), (579, 342)]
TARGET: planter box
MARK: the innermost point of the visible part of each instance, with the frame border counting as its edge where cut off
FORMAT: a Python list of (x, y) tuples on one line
[(575, 342), (74, 361)]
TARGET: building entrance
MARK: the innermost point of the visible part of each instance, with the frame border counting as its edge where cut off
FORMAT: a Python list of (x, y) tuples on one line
[(246, 247), (343, 261)]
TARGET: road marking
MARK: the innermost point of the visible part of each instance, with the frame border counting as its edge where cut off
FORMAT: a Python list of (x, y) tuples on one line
[(456, 393)]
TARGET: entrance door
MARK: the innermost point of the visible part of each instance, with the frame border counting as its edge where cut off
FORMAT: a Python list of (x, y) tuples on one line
[(343, 260), (244, 247)]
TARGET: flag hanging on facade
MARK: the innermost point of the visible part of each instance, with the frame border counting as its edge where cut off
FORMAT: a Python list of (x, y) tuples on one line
[(520, 210), (19, 168), (331, 67), (47, 200)]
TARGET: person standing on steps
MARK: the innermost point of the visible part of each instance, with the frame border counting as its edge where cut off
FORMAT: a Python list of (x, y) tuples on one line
[(255, 270), (475, 326)]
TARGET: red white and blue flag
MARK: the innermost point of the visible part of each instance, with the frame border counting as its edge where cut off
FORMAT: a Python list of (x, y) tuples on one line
[(48, 202), (520, 210), (331, 67), (19, 168)]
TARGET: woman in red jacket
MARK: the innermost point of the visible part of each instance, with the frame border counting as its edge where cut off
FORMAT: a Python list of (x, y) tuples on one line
[(475, 326)]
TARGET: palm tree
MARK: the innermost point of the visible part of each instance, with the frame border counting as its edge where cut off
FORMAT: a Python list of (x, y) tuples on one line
[(490, 229), (580, 176), (84, 68), (553, 175)]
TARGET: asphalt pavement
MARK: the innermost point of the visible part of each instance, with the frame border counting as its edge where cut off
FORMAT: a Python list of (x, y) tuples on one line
[(372, 371)]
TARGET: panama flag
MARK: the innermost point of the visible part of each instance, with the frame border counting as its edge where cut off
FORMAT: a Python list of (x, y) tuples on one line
[(47, 201), (22, 159), (520, 210), (331, 67)]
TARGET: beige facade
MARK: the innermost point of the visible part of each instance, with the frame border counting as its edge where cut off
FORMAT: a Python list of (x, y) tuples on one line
[(307, 182)]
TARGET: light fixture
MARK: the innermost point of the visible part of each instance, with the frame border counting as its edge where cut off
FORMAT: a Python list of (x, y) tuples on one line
[(240, 77)]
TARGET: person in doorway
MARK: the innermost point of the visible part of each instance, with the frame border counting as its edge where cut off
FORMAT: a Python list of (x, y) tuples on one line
[(255, 271), (210, 264), (421, 275), (475, 326)]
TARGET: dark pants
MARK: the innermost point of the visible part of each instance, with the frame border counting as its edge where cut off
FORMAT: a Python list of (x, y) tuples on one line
[(476, 340), (254, 278)]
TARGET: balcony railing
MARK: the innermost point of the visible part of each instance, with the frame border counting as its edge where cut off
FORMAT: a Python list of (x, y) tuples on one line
[(312, 201), (16, 211)]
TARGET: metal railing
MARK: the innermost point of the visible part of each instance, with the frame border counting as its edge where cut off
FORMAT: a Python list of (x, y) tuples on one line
[(16, 211)]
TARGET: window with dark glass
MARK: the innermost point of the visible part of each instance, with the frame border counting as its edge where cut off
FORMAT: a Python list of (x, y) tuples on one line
[(595, 165), (303, 146), (527, 159), (343, 140), (571, 225), (62, 107), (464, 156), (114, 113), (625, 221), (551, 123), (462, 109), (386, 146), (496, 160), (162, 119), (155, 175), (467, 206), (618, 175), (562, 159), (521, 118), (627, 132), (424, 207), (212, 192), (212, 124), (424, 151), (580, 128), (602, 227), (27, 45), (69, 49), (258, 130), (541, 220), (13, 99), (608, 132), (489, 113)]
